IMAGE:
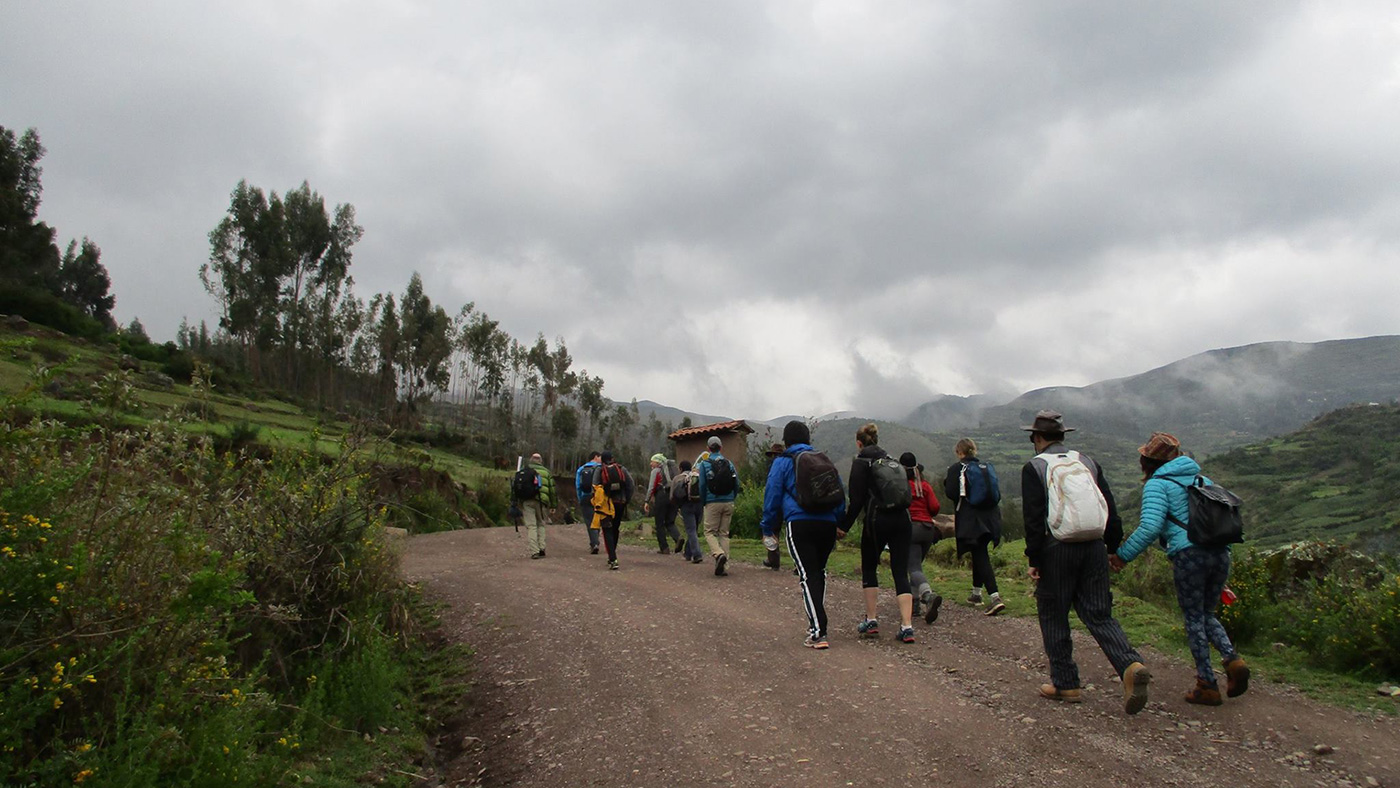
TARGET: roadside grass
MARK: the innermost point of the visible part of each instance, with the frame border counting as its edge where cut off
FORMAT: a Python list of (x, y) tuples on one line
[(1146, 623)]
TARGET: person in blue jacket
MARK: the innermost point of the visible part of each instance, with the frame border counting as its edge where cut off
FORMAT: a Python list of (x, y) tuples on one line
[(1199, 572), (811, 536), (719, 504)]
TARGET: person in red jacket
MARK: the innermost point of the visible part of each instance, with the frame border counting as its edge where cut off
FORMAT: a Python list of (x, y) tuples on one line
[(922, 510)]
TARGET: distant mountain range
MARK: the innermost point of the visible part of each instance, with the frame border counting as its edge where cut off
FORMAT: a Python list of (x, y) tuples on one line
[(1224, 398), (1213, 401)]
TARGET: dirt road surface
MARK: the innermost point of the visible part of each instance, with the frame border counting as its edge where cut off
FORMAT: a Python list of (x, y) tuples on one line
[(662, 674)]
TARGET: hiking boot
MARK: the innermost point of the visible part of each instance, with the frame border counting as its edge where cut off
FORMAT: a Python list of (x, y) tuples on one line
[(816, 641), (868, 628), (1135, 680), (975, 598), (593, 550), (931, 614), (540, 554), (697, 560), (1205, 693), (994, 605), (906, 635), (772, 561), (1051, 692), (612, 564), (1236, 677), (664, 551), (680, 547), (720, 561)]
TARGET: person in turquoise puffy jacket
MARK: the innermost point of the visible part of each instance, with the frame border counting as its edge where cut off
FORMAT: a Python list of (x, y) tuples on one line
[(1199, 572)]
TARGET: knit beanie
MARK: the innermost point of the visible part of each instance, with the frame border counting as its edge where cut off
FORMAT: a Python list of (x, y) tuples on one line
[(796, 432)]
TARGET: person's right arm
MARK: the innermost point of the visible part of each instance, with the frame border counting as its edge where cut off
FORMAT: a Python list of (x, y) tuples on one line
[(859, 494), (773, 493), (1034, 511), (1152, 520)]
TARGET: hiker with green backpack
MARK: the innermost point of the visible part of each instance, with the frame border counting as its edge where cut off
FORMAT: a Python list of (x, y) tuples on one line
[(1200, 559), (879, 489)]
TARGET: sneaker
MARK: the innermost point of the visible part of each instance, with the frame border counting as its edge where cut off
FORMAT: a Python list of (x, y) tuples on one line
[(540, 554), (816, 642), (1051, 692), (906, 635), (994, 605), (612, 564), (931, 612), (697, 560), (1205, 693), (868, 628), (1135, 680), (720, 561), (680, 546), (664, 551), (593, 550), (1236, 677)]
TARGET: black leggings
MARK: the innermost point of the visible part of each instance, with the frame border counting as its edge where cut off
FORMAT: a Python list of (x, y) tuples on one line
[(882, 530), (611, 527), (982, 576)]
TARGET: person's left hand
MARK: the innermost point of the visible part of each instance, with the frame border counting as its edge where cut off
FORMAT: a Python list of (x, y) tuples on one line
[(1115, 563)]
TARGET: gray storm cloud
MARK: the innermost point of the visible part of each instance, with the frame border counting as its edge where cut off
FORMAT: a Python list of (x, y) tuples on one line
[(944, 180)]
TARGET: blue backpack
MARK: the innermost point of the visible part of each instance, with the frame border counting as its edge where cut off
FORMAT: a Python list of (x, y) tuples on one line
[(979, 488)]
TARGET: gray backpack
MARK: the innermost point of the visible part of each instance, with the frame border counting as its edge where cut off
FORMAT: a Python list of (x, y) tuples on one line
[(889, 484)]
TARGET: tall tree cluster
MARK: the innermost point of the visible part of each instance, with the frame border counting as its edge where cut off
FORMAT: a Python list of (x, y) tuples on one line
[(31, 265), (279, 267)]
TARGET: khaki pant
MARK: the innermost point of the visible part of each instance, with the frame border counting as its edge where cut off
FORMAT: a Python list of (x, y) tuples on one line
[(717, 517), (532, 514)]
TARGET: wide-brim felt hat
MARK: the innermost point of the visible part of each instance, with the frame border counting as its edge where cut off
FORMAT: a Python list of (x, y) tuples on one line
[(1048, 421), (775, 450), (1161, 446)]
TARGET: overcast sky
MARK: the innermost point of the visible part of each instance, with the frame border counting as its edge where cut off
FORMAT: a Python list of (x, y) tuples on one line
[(758, 208)]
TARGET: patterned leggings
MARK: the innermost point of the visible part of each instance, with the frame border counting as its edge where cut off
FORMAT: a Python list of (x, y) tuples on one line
[(1200, 575)]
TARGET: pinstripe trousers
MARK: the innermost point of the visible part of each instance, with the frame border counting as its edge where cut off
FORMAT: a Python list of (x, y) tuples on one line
[(1075, 574)]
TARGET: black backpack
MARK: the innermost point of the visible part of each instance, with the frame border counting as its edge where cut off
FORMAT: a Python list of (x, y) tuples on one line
[(817, 482), (1213, 515), (721, 479), (613, 481), (525, 485), (889, 484)]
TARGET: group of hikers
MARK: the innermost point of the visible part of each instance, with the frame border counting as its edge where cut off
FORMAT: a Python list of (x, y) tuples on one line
[(1073, 532)]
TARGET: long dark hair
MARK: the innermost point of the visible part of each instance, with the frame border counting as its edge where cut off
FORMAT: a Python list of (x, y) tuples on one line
[(1149, 466)]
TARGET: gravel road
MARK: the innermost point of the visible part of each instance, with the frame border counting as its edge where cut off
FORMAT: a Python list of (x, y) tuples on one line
[(662, 674)]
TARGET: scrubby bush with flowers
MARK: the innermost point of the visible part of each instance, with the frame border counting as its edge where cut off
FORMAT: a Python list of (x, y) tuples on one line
[(173, 615)]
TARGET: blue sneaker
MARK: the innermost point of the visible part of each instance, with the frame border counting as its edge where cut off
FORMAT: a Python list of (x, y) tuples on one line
[(868, 628), (906, 635)]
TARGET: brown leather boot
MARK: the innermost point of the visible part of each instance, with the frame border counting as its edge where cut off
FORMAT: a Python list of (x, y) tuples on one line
[(1135, 680), (1206, 693), (1236, 678), (1051, 692)]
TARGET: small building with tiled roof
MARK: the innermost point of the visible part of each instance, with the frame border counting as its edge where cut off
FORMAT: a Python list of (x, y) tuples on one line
[(734, 435)]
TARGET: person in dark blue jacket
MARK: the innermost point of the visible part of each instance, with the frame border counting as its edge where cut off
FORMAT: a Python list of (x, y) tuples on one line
[(811, 536)]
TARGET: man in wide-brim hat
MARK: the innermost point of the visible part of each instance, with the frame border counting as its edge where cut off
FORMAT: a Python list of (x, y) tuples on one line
[(1071, 527)]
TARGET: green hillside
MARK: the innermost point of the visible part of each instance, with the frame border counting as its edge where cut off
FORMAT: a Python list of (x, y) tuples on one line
[(1336, 478)]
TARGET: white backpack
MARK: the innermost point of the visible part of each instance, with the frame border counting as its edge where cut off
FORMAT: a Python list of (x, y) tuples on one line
[(1078, 511)]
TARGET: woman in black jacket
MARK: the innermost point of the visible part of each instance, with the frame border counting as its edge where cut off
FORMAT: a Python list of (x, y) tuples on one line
[(883, 528), (976, 526)]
